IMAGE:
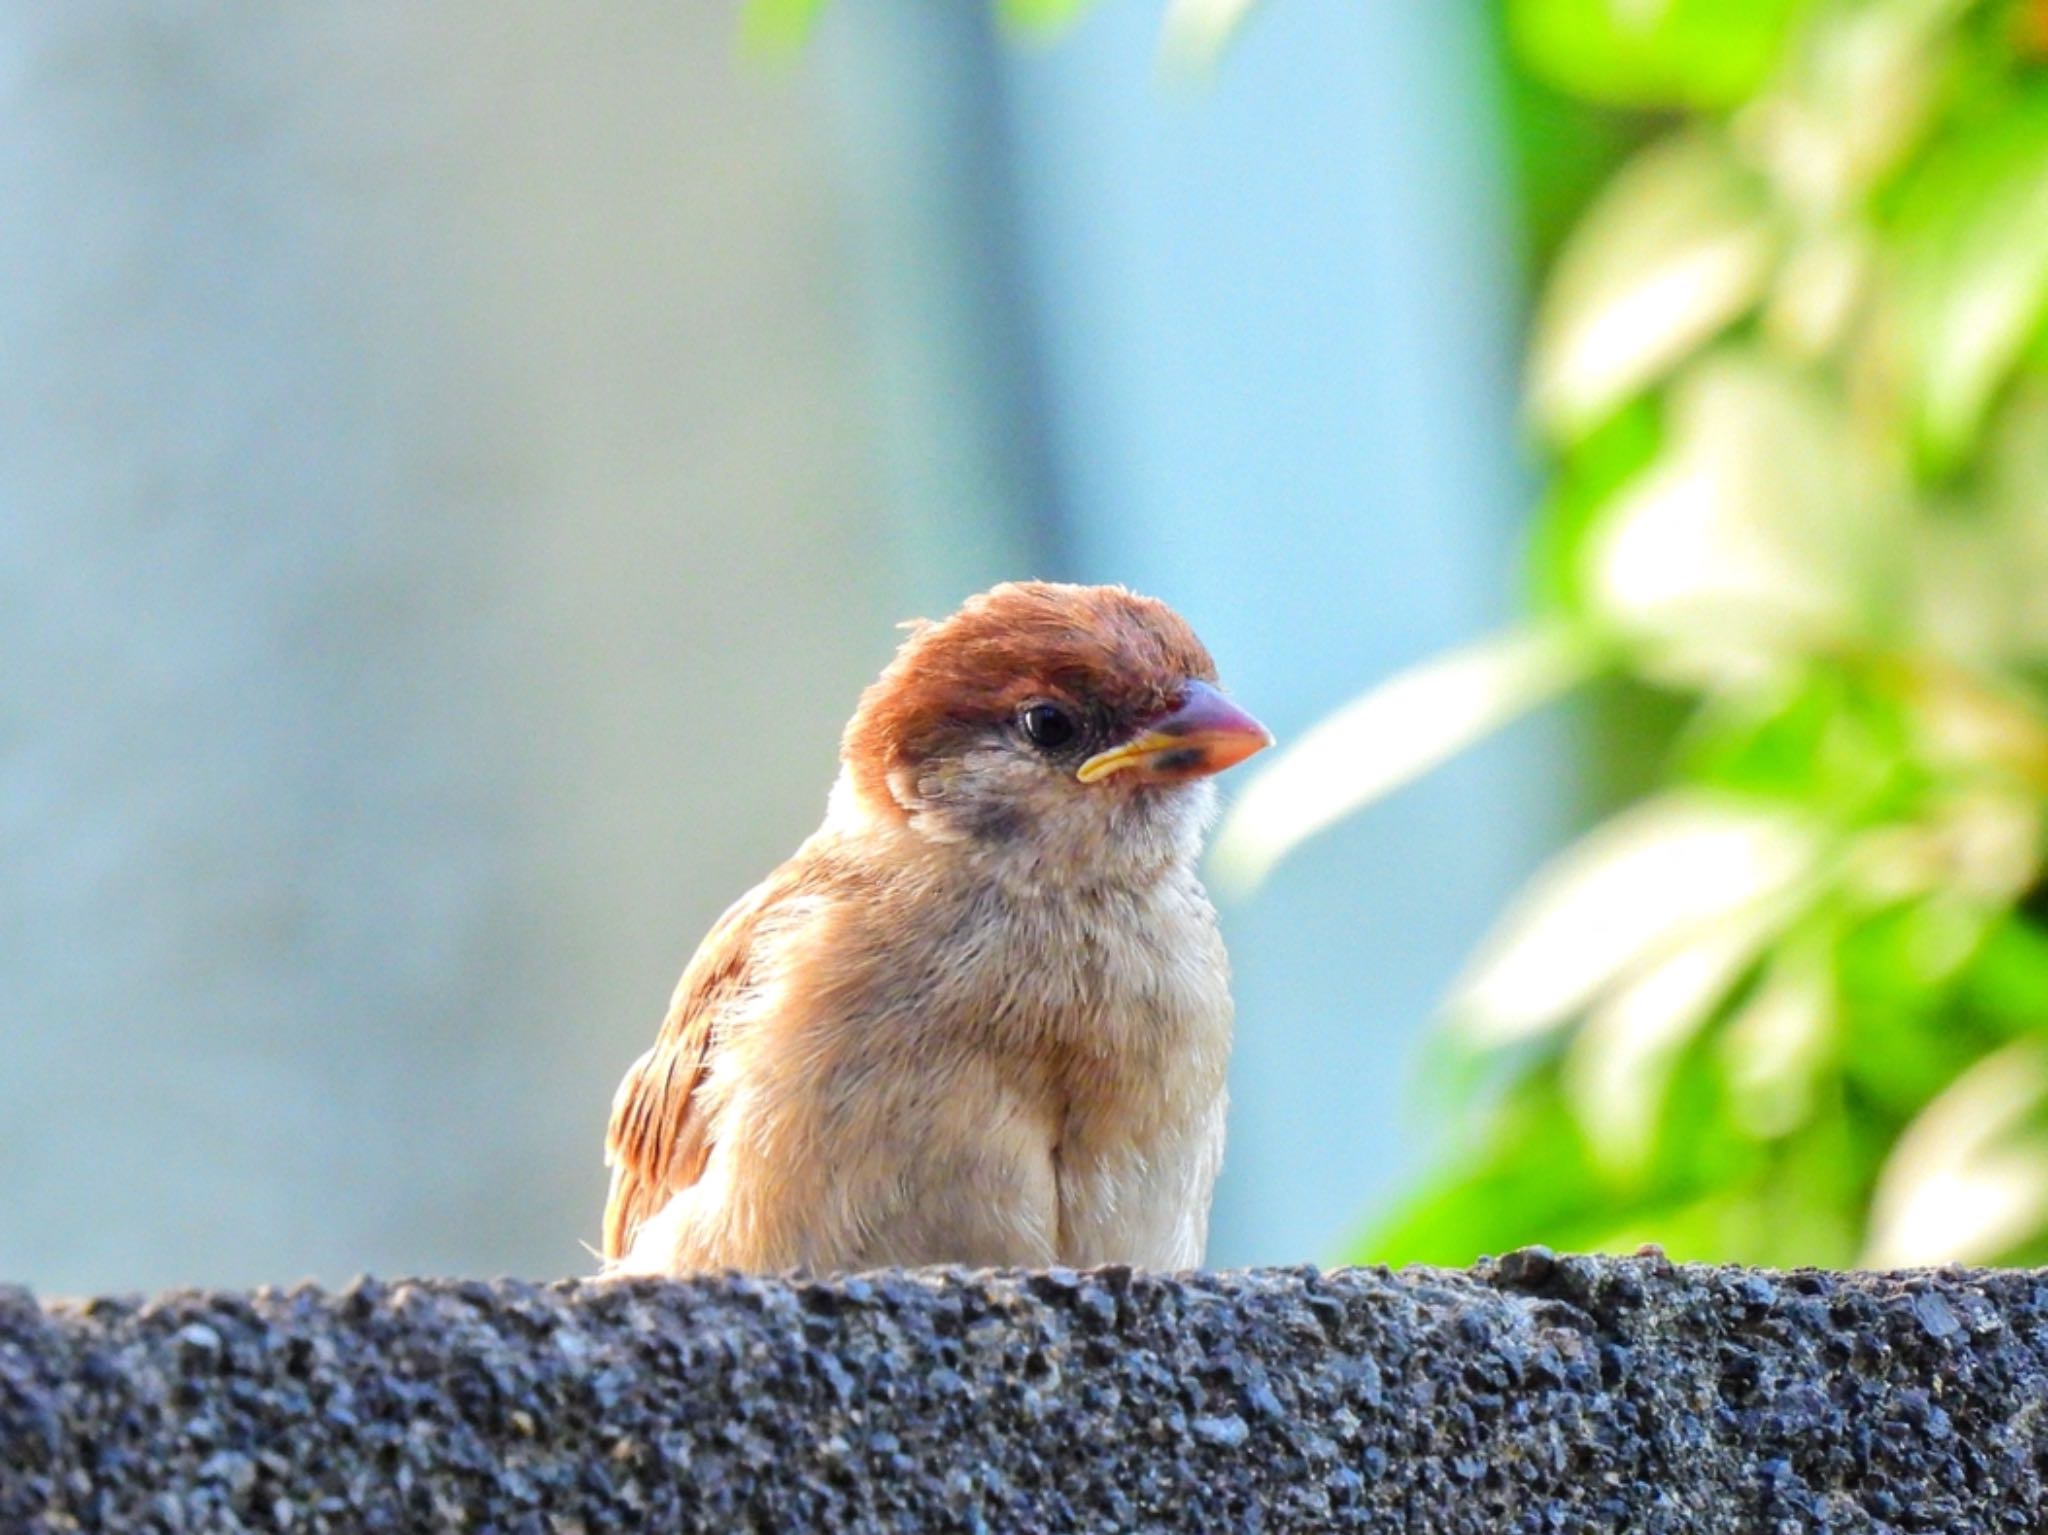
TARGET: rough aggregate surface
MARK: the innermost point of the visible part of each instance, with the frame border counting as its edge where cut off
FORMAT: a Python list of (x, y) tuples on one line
[(1530, 1394)]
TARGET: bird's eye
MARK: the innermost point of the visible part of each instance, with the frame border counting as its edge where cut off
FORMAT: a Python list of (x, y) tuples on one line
[(1048, 726)]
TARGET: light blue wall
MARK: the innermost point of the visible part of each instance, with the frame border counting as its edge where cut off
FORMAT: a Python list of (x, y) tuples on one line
[(437, 555), (1278, 321), (414, 420)]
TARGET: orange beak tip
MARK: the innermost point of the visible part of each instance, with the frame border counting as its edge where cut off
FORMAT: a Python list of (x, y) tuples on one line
[(1204, 734)]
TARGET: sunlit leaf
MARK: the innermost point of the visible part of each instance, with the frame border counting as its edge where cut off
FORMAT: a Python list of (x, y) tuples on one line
[(1970, 590), (1196, 32), (1680, 53), (1752, 538), (1974, 283), (776, 27), (1819, 284), (1973, 720), (1968, 1180), (1389, 737), (1646, 881), (1990, 846), (2011, 561), (1620, 1060), (1966, 855), (1592, 474), (1774, 1043), (1678, 246), (1854, 99)]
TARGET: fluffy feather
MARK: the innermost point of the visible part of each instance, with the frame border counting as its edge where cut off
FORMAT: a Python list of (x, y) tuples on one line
[(983, 1015)]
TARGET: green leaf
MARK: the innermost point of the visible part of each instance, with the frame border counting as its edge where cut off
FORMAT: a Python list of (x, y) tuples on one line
[(1753, 540), (1973, 239), (1782, 1226), (1678, 246), (1978, 579), (1530, 1181), (1655, 53), (1715, 1194), (1389, 737), (1594, 471), (777, 27), (1901, 1031), (1711, 1193), (1042, 18), (1698, 1143), (1968, 1180), (1825, 736), (1622, 1060), (1863, 81), (2007, 983), (1660, 875)]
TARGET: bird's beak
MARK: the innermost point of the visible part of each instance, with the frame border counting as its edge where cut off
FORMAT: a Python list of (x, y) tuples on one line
[(1205, 734)]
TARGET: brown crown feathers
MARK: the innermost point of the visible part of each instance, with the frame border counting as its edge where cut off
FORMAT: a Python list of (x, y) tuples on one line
[(1107, 653)]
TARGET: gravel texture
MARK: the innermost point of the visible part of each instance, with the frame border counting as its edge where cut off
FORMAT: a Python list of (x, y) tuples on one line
[(1529, 1394)]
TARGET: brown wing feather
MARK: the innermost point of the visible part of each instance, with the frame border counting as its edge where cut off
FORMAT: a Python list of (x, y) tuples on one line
[(657, 1142)]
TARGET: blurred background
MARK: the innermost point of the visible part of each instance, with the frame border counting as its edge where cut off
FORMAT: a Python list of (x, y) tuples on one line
[(458, 467)]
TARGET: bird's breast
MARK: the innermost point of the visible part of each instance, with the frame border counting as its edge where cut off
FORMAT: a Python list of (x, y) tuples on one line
[(1109, 1012)]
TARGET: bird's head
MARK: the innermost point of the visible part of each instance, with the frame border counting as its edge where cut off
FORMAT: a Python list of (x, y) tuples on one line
[(1073, 726)]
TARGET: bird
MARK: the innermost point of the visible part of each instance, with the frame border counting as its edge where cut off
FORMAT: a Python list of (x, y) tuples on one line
[(982, 1016)]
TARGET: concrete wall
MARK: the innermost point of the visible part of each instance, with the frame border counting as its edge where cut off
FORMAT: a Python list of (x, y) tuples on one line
[(1537, 1395)]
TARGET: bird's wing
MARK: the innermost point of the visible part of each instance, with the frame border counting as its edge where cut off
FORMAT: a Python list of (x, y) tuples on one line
[(658, 1141)]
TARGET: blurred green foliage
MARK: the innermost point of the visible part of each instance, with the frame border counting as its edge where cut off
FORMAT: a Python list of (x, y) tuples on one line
[(777, 26), (1790, 368), (1675, 53)]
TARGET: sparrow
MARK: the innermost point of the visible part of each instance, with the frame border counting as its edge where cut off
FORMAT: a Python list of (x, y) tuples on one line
[(982, 1016)]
